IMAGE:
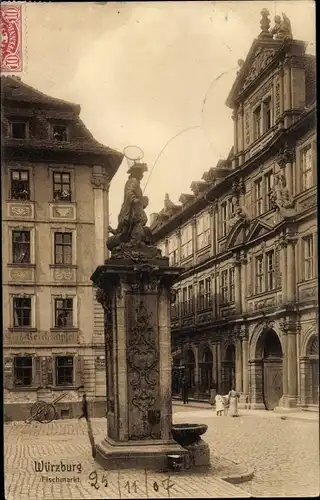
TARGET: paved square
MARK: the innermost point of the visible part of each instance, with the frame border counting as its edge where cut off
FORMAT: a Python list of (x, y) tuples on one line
[(283, 453)]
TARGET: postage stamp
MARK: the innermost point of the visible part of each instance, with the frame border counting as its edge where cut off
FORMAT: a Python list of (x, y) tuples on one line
[(11, 39)]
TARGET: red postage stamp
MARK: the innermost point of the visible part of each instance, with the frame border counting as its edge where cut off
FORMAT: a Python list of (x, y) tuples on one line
[(11, 38)]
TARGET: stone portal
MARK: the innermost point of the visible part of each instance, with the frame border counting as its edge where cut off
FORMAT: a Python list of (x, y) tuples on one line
[(136, 296)]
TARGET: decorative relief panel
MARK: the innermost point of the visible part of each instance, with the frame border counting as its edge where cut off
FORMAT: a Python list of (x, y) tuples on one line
[(310, 201), (41, 338), (62, 211), (204, 317), (64, 274), (143, 372), (277, 101), (262, 59), (308, 292), (18, 210), (21, 274), (247, 128), (260, 304)]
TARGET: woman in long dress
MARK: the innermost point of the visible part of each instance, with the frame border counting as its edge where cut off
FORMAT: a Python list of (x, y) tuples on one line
[(233, 397), (219, 405)]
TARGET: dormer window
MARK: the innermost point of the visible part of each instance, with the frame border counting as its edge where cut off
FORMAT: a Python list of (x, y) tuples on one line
[(20, 186), (19, 130), (257, 122), (60, 133), (61, 186)]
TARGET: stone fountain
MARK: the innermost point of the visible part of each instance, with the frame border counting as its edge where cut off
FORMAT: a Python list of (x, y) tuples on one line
[(134, 287)]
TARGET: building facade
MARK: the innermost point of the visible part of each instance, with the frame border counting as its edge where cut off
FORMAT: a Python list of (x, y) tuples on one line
[(55, 178), (246, 310)]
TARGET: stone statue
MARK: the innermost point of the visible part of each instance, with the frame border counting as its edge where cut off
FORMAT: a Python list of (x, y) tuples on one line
[(280, 195), (282, 28), (239, 213), (132, 231)]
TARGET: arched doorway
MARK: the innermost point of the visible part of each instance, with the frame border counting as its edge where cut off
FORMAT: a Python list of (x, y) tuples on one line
[(206, 372), (271, 352), (313, 355), (229, 369), (190, 366)]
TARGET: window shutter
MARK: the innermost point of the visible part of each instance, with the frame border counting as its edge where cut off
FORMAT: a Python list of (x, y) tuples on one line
[(37, 372), (46, 371), (8, 373), (79, 370), (49, 371)]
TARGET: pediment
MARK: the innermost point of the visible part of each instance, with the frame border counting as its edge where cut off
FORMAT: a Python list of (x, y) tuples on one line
[(261, 54), (237, 235), (257, 229)]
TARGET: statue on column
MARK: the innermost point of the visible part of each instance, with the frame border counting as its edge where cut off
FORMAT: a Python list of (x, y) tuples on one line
[(281, 197), (132, 234)]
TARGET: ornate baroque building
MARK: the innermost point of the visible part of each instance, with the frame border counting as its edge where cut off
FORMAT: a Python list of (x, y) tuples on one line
[(245, 314), (55, 180)]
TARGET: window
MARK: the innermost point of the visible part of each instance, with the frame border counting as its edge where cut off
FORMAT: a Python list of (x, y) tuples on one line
[(61, 186), (203, 231), (18, 130), (224, 218), (270, 270), (21, 312), (173, 251), (186, 242), (63, 313), (60, 133), (267, 113), (269, 182), (21, 247), (20, 188), (207, 285), (308, 257), (63, 248), (259, 274), (224, 286), (231, 285), (187, 300), (257, 122), (258, 196), (201, 295), (23, 371), (230, 208), (64, 370), (306, 161)]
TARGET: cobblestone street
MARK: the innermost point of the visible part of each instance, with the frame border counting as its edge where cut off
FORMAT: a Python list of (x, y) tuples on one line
[(283, 453)]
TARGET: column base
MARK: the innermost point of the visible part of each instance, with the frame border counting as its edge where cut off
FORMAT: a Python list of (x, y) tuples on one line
[(286, 404), (137, 455)]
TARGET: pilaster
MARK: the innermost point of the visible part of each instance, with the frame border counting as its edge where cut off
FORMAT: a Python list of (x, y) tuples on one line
[(237, 283)]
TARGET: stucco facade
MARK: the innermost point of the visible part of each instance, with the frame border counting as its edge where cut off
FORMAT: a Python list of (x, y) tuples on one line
[(55, 182), (246, 308)]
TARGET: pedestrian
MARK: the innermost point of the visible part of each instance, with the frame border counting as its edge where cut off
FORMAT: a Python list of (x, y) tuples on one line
[(212, 395), (233, 397), (84, 406), (219, 405), (185, 391), (225, 405)]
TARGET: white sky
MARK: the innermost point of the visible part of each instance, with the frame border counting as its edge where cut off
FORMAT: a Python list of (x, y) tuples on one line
[(141, 72)]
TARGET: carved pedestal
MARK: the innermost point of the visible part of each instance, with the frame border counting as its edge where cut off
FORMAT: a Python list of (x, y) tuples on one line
[(136, 302)]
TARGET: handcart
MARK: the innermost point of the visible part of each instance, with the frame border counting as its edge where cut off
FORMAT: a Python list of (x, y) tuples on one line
[(44, 412)]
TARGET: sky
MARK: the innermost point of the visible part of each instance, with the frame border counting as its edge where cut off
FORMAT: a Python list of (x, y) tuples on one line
[(144, 73)]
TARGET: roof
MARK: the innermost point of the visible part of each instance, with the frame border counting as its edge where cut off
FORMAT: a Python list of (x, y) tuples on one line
[(13, 89)]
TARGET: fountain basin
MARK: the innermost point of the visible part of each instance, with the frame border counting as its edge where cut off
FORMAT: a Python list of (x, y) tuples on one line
[(188, 436)]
